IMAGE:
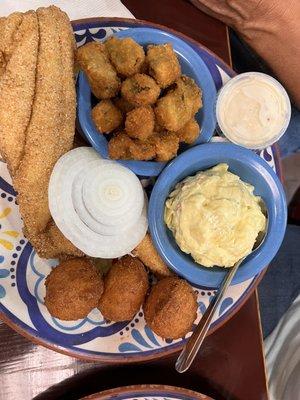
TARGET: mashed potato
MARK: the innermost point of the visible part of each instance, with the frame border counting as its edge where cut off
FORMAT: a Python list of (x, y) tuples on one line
[(215, 217)]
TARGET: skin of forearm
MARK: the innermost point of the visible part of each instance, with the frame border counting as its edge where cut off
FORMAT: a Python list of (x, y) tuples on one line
[(271, 28)]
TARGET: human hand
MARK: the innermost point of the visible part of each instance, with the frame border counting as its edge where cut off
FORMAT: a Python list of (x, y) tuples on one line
[(250, 15)]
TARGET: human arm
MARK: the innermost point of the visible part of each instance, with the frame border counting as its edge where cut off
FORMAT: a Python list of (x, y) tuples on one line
[(271, 28)]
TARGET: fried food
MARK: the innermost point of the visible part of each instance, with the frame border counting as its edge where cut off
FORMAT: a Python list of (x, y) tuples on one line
[(190, 92), (140, 90), (37, 127), (163, 64), (9, 38), (17, 87), (43, 134), (51, 243), (94, 61), (126, 55), (189, 132), (123, 105), (147, 253), (122, 147), (125, 288), (73, 289), (179, 105), (171, 308), (166, 146), (158, 128), (106, 116), (139, 123)]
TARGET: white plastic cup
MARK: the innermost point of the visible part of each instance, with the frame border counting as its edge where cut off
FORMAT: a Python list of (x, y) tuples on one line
[(253, 110)]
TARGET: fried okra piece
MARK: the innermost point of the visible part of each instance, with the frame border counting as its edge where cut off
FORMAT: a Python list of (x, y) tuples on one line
[(93, 59), (73, 289), (106, 116), (179, 105), (125, 289), (139, 123), (140, 90), (166, 146), (126, 55), (163, 64), (122, 147), (190, 92), (149, 256), (171, 308), (189, 132), (123, 105)]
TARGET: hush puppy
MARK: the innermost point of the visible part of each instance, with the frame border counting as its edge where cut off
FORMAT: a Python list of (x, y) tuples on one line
[(93, 59), (122, 147), (189, 132), (171, 308), (126, 55), (163, 64), (106, 116), (139, 123), (125, 288), (179, 105), (140, 90), (73, 289)]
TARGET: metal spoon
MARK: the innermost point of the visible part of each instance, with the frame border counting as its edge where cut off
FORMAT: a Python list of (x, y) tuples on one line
[(194, 343)]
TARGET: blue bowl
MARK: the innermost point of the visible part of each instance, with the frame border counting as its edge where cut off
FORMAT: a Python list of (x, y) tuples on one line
[(191, 65), (250, 168)]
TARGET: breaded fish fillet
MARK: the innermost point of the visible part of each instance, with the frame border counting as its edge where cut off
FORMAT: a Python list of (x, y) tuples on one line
[(37, 115), (9, 27), (50, 132), (41, 151), (17, 86)]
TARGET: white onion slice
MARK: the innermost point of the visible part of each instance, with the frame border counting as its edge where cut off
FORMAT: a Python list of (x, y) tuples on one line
[(114, 199), (65, 173), (120, 224)]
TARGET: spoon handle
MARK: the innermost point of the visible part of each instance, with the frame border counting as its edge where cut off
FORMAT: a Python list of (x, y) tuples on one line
[(193, 344)]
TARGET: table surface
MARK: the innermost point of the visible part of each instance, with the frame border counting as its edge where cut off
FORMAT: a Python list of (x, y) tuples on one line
[(231, 363)]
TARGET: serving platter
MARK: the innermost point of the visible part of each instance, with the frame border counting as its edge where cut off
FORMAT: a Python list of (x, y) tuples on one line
[(23, 273), (148, 392)]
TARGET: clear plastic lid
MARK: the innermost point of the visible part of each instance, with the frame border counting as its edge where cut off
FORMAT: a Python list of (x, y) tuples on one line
[(253, 110)]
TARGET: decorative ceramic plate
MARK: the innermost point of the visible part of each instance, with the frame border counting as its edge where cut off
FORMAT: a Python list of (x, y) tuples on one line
[(23, 273), (148, 392)]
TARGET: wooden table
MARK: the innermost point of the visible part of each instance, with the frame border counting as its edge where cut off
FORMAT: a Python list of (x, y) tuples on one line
[(231, 363)]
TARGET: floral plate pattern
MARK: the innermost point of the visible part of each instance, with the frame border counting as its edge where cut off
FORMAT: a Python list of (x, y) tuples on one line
[(23, 273)]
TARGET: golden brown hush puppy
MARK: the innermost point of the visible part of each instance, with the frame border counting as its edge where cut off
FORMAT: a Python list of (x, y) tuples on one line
[(139, 123), (140, 90), (93, 59), (125, 288), (122, 147), (126, 55), (189, 132), (163, 64), (73, 289), (106, 116), (171, 308)]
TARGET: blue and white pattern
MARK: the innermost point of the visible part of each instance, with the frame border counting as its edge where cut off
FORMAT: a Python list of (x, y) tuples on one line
[(23, 273)]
